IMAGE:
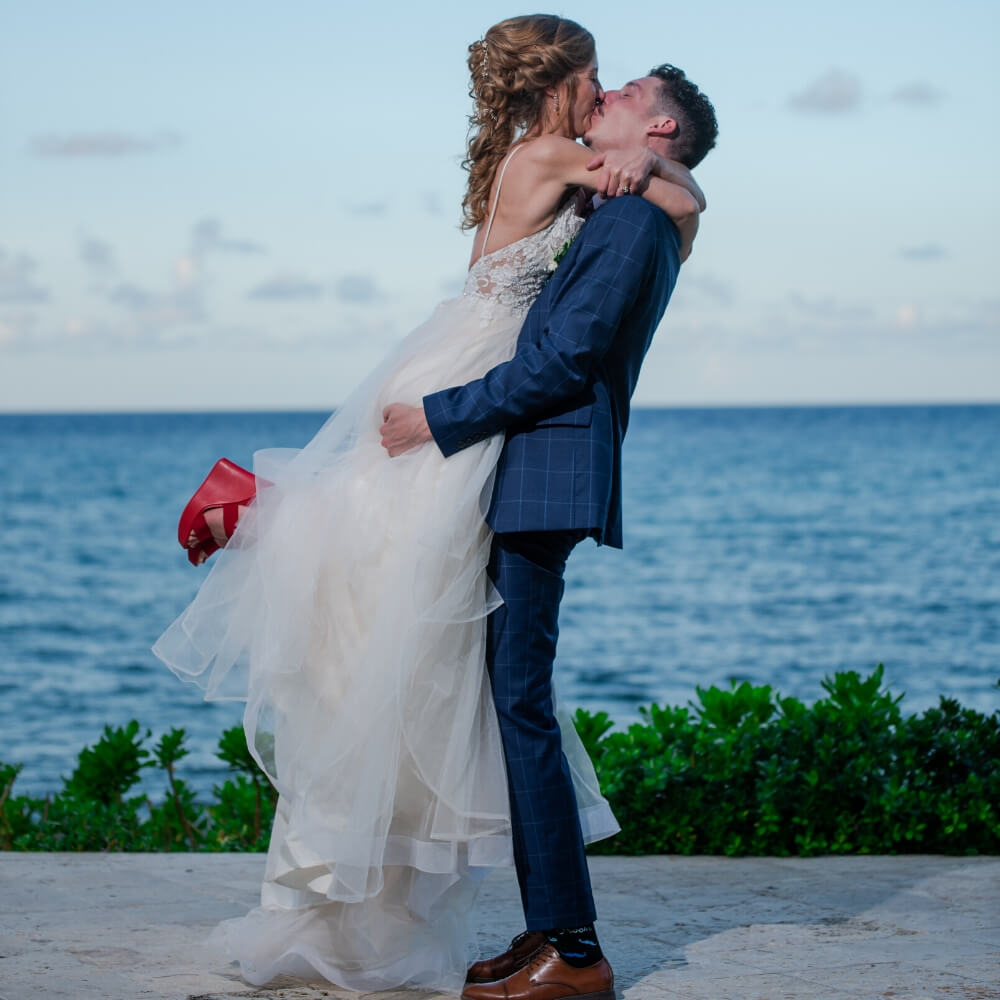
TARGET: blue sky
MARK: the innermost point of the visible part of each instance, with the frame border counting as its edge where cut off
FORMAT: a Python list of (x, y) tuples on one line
[(244, 205)]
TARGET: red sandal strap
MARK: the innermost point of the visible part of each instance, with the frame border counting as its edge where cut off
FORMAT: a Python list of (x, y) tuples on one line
[(230, 518)]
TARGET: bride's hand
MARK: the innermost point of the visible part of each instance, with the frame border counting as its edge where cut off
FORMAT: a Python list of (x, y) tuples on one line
[(624, 171), (629, 170)]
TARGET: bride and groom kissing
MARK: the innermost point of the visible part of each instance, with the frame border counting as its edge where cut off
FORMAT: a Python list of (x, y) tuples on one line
[(503, 416), (562, 403)]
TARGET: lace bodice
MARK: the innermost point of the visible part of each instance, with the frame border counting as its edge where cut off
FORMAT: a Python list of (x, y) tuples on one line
[(513, 276)]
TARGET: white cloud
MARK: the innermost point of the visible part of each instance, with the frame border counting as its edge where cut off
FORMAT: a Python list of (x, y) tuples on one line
[(103, 144), (131, 296), (75, 326), (906, 316), (8, 334), (708, 287), (286, 288), (926, 251), (207, 237), (830, 309), (97, 255), (185, 271), (357, 288), (432, 204), (150, 316), (17, 279), (98, 259), (918, 94), (369, 208), (17, 328), (836, 92)]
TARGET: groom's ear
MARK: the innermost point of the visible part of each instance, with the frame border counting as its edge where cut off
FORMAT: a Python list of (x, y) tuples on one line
[(662, 128)]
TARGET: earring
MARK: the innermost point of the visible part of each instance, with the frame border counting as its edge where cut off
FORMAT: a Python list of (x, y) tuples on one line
[(555, 98)]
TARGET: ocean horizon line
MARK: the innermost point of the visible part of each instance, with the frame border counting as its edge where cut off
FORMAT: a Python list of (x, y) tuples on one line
[(649, 407)]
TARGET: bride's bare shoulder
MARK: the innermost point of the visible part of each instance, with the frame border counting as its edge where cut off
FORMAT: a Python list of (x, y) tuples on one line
[(553, 159), (552, 149)]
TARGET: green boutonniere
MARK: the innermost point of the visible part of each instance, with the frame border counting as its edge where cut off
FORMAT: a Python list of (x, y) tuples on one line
[(559, 254)]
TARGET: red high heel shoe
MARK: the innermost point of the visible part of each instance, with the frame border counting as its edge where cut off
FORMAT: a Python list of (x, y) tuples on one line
[(228, 486)]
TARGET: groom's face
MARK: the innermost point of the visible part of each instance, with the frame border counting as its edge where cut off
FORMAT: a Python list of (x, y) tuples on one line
[(626, 116)]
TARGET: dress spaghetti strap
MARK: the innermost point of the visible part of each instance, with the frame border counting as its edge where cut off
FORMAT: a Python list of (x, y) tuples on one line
[(496, 199)]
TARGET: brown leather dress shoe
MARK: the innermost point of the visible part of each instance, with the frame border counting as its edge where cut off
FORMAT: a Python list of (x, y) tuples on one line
[(522, 949), (548, 977)]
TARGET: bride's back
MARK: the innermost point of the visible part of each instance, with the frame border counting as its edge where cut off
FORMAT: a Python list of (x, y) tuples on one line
[(525, 198)]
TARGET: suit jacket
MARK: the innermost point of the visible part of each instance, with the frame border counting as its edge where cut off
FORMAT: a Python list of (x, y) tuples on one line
[(563, 399)]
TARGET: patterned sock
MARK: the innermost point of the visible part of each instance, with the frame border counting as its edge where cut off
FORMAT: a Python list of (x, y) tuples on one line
[(576, 945)]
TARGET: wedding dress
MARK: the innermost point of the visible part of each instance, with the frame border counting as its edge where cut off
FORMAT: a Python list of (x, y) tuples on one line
[(349, 610)]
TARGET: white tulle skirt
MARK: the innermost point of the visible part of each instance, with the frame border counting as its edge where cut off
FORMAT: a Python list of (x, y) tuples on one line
[(349, 611)]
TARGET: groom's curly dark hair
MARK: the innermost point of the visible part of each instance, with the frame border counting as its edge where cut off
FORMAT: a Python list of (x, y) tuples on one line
[(697, 128)]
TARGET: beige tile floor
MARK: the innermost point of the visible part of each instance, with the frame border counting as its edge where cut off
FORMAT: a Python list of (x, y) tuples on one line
[(130, 926)]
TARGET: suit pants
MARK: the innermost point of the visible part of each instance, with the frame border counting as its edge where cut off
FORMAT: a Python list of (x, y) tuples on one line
[(527, 568)]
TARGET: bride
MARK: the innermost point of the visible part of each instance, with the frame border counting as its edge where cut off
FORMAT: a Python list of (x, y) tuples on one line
[(348, 608)]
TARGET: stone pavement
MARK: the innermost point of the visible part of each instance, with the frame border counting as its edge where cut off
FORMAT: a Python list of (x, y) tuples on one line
[(130, 926)]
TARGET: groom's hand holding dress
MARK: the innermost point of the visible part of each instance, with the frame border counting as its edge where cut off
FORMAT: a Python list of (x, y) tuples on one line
[(403, 428)]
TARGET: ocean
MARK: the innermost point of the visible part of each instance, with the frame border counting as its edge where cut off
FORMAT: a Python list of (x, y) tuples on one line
[(774, 545)]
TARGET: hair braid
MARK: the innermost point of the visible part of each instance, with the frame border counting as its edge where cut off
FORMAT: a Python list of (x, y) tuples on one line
[(511, 67)]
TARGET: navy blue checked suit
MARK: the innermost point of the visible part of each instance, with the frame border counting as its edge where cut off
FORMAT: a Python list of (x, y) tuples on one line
[(563, 403)]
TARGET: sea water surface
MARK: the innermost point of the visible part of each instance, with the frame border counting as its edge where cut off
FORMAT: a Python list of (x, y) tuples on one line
[(772, 545)]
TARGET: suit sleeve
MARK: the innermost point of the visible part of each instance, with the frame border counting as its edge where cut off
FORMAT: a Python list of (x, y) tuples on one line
[(604, 272)]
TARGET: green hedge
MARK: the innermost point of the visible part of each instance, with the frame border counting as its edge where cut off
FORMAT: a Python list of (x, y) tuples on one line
[(94, 811), (744, 771), (739, 771)]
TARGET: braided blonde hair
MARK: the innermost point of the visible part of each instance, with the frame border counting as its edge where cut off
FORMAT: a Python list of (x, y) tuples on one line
[(511, 67)]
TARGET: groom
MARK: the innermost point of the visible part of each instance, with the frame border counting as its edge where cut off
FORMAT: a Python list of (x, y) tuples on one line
[(563, 403)]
